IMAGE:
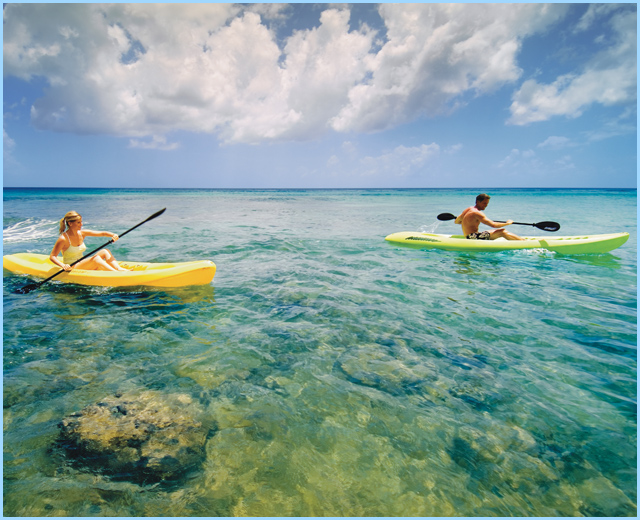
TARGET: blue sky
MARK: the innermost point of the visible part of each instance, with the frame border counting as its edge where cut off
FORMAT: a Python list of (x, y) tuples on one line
[(320, 95)]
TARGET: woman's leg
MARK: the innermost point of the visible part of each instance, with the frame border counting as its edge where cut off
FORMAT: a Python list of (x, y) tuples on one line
[(94, 263), (108, 257), (103, 260)]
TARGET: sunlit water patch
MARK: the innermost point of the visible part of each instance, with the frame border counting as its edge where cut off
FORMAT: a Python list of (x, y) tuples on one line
[(340, 375)]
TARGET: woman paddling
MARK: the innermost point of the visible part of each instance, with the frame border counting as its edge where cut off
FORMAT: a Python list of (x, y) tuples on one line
[(71, 244)]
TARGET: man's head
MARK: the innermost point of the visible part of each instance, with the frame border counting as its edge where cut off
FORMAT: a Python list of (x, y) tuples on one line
[(482, 200)]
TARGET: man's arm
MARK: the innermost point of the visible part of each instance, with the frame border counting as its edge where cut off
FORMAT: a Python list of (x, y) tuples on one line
[(488, 222)]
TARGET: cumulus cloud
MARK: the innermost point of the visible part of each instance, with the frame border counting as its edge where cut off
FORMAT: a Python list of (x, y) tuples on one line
[(144, 70), (437, 53), (610, 78), (320, 67)]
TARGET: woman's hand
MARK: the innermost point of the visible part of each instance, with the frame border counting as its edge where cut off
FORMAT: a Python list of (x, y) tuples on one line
[(114, 237), (67, 267)]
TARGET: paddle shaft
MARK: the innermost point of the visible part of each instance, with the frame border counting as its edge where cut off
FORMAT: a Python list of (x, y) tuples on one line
[(31, 287), (519, 223), (546, 226)]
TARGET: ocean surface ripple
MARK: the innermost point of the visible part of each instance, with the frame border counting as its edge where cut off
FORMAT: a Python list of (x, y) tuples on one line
[(345, 376)]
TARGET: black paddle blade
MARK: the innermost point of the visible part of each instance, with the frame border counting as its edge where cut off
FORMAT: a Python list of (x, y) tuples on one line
[(157, 214), (548, 226), (27, 288), (446, 216)]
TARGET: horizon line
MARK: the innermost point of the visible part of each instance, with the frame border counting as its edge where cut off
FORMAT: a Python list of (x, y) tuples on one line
[(318, 189)]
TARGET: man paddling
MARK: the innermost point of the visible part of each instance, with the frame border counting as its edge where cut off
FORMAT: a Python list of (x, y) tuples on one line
[(473, 216)]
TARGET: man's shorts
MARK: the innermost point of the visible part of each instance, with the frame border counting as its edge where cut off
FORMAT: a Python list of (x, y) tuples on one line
[(481, 235)]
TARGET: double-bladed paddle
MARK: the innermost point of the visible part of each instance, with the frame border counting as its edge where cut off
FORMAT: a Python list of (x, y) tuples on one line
[(545, 226), (28, 288)]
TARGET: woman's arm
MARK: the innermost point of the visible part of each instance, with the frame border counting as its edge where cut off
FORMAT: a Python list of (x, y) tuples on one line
[(57, 248), (89, 233)]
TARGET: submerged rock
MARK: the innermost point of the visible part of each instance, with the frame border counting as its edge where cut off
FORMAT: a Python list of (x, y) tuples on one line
[(145, 438), (375, 369)]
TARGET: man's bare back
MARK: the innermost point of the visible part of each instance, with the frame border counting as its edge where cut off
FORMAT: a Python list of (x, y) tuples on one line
[(470, 219)]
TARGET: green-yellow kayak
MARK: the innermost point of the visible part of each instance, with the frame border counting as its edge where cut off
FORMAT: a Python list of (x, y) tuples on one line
[(176, 274), (574, 245)]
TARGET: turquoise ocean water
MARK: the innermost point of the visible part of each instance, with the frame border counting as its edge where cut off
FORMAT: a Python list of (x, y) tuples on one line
[(346, 376)]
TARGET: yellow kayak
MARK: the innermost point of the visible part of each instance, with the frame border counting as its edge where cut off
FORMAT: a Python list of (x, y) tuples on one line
[(569, 245), (176, 274)]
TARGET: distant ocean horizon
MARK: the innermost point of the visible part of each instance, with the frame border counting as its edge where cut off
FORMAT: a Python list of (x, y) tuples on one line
[(345, 376), (76, 188)]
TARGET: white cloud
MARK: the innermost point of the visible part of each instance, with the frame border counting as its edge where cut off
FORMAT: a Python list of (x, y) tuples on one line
[(437, 53), (349, 148), (593, 13), (524, 162), (157, 143), (609, 79), (565, 163), (519, 159), (8, 144), (556, 142), (320, 67), (400, 162), (333, 161), (277, 12), (611, 129), (143, 69)]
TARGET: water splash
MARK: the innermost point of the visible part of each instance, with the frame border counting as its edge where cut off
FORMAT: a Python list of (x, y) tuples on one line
[(429, 228), (30, 229)]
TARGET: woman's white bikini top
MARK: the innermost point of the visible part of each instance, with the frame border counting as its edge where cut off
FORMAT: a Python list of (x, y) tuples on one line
[(73, 253)]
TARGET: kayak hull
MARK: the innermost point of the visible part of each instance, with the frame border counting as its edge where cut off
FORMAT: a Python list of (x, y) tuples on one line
[(570, 245), (177, 274)]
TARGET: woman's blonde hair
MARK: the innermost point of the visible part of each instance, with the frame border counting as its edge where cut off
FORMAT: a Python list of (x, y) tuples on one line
[(69, 217)]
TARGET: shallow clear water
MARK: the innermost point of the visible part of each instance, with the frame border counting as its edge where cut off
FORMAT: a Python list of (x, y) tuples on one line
[(346, 376)]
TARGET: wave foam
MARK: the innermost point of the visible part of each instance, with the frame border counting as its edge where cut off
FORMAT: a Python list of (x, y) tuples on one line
[(30, 229)]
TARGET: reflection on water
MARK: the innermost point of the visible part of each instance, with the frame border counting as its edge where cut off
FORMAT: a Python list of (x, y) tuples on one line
[(608, 260)]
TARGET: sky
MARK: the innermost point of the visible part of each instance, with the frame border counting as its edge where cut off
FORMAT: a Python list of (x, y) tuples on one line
[(422, 95)]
